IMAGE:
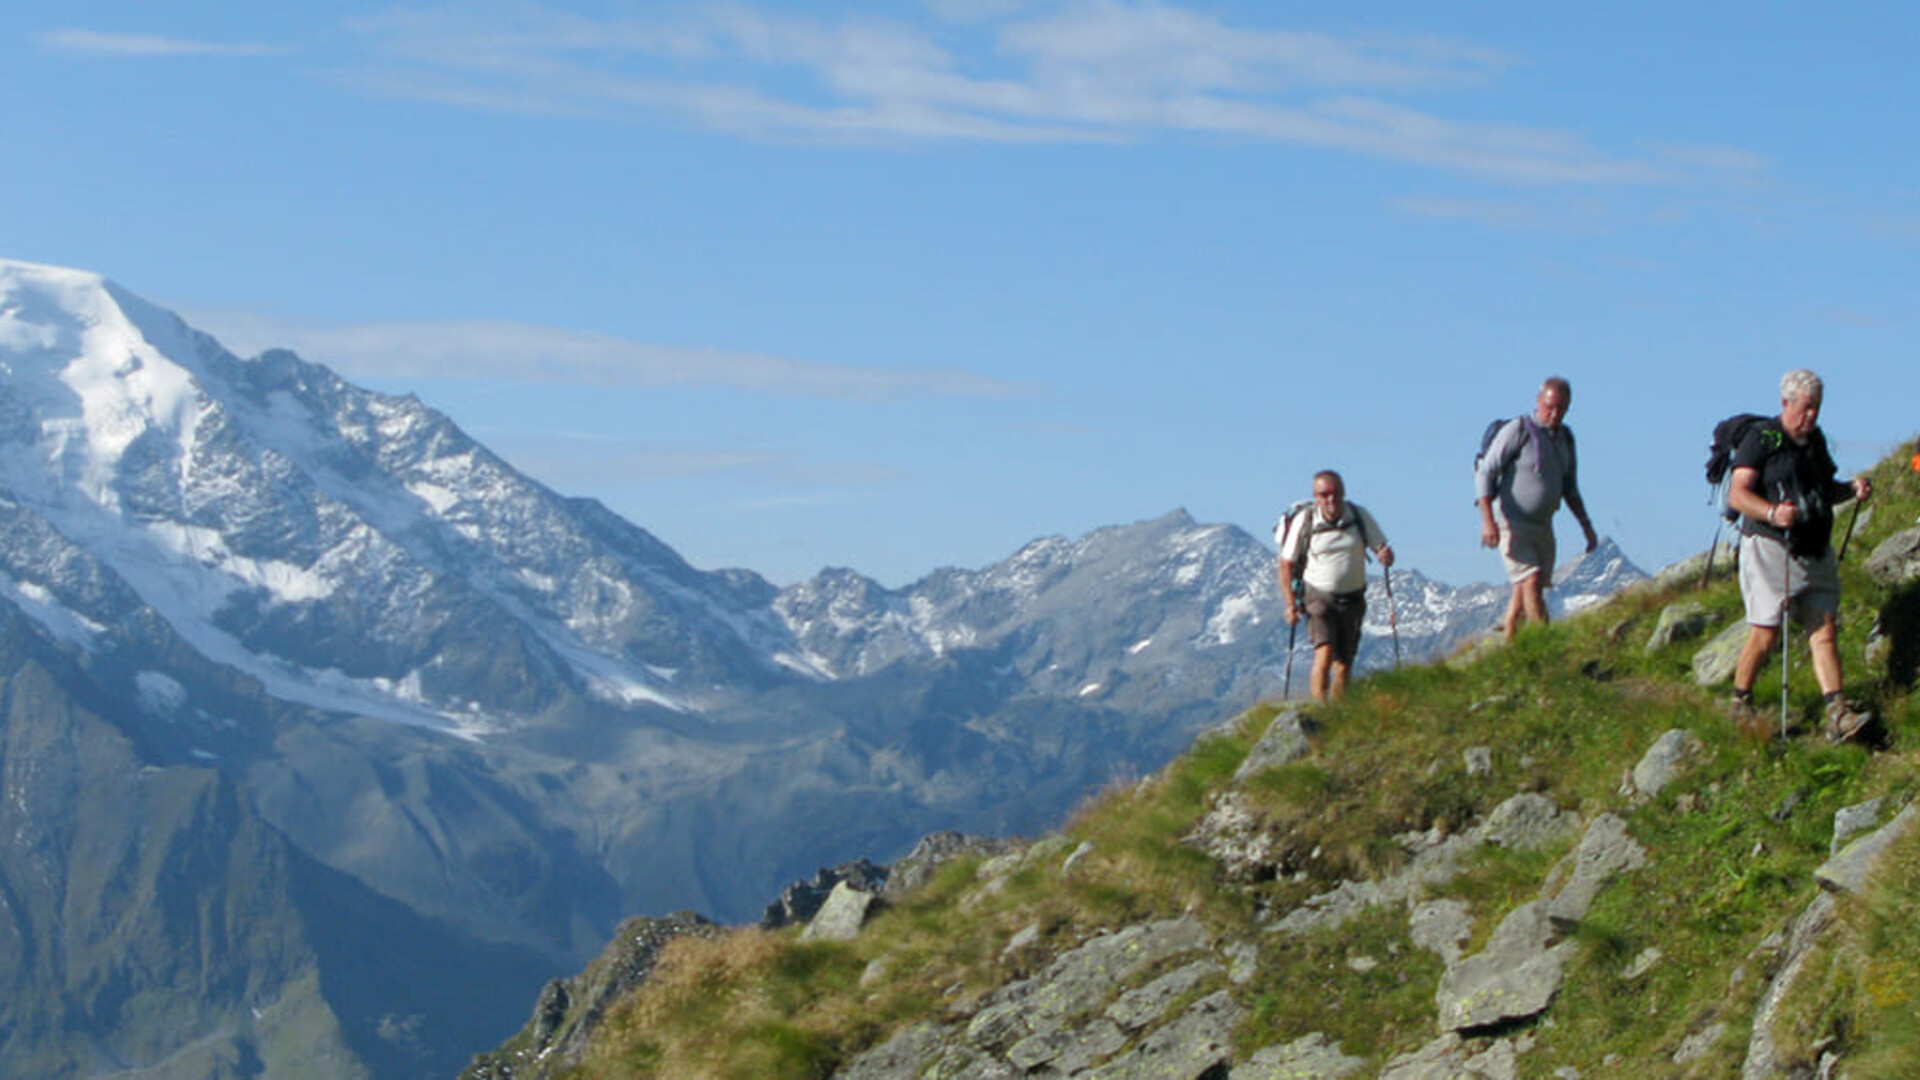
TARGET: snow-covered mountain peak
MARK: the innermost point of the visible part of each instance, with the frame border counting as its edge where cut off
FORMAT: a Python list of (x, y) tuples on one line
[(349, 549), (87, 382)]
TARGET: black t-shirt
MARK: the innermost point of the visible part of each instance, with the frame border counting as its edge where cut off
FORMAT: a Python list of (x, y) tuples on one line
[(1802, 474)]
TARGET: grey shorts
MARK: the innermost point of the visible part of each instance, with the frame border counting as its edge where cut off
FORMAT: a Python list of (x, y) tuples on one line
[(1769, 578), (1527, 549), (1334, 619)]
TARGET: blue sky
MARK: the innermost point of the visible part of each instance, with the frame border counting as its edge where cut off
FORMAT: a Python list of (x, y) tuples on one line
[(904, 286)]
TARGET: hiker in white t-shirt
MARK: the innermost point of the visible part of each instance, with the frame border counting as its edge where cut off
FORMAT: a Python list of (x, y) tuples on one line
[(1326, 546)]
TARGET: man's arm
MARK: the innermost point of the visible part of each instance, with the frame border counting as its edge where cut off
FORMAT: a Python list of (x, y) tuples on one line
[(1579, 508), (1742, 497), (1289, 605)]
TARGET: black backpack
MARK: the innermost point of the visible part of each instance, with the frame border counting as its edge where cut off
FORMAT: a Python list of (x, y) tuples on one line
[(1728, 434), (1493, 429)]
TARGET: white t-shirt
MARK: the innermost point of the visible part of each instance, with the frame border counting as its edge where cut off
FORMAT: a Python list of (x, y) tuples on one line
[(1336, 551)]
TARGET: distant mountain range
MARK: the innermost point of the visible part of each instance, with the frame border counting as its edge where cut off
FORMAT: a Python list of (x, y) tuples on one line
[(327, 735)]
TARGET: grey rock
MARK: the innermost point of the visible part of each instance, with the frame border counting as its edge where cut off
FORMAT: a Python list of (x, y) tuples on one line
[(801, 900), (1309, 1058), (1196, 1045), (1137, 1008), (1233, 835), (906, 1056), (1662, 762), (1479, 760), (1678, 622), (1516, 976), (1524, 822), (967, 1063), (1850, 820), (1897, 560), (1713, 664), (1648, 959), (1604, 851), (1079, 853), (1243, 962), (842, 916), (1079, 981), (1442, 927), (1450, 1057), (1762, 1061), (1849, 871), (1068, 1051), (1285, 741), (917, 867), (1027, 935), (1333, 908)]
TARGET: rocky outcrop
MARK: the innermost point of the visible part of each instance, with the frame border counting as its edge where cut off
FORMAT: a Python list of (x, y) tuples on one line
[(569, 1010), (1086, 1014), (1168, 998), (801, 900)]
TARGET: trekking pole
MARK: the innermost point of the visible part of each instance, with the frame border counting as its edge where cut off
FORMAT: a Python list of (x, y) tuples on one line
[(1847, 539), (1786, 628), (1286, 690), (1393, 617), (1713, 544)]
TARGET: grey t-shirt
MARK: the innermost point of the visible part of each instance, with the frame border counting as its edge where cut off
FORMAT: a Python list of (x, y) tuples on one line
[(1528, 470)]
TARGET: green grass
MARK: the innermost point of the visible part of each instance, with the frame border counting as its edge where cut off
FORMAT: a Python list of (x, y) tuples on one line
[(1566, 711)]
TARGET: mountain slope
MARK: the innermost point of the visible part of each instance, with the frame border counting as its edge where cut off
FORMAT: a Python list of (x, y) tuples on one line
[(1554, 859)]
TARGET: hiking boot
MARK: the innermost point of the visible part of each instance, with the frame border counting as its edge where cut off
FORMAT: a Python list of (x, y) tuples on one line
[(1844, 721), (1747, 719)]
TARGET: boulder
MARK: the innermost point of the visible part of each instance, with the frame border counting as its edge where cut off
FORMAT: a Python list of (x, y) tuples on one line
[(1286, 740), (799, 901), (1515, 977), (1662, 762), (1605, 850), (1678, 622), (1849, 871), (1897, 560), (842, 916), (1713, 664)]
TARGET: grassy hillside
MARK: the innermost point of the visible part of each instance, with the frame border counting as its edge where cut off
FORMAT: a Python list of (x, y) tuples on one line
[(1566, 712)]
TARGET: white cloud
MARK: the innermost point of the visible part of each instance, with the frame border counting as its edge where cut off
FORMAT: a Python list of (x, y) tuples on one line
[(95, 43), (518, 352), (1096, 70)]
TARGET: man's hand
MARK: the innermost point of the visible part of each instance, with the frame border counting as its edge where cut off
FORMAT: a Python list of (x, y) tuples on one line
[(1593, 541)]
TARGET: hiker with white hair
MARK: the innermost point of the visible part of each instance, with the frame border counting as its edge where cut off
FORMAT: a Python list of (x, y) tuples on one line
[(1784, 487)]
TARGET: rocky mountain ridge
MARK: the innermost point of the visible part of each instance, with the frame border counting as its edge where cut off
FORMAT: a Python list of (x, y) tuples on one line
[(1597, 947)]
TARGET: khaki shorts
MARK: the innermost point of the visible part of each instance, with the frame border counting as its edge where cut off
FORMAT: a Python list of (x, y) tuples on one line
[(1526, 550), (1334, 619), (1813, 585)]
